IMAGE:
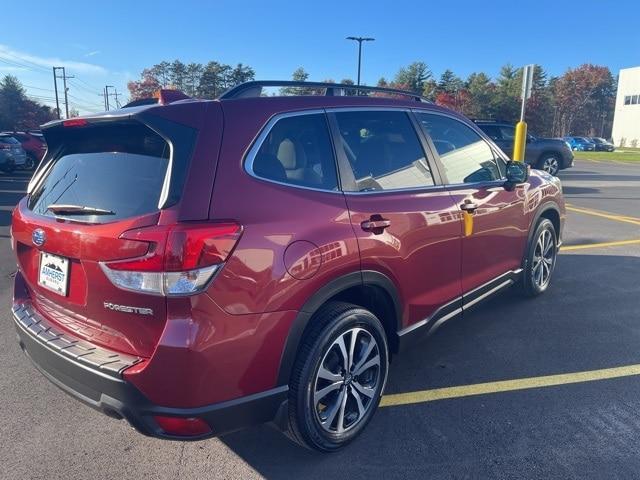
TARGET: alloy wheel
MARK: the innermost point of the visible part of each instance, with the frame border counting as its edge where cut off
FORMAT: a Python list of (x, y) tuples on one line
[(544, 257), (347, 381), (550, 165)]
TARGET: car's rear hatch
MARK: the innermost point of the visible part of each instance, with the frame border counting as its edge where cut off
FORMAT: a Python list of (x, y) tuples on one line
[(101, 178)]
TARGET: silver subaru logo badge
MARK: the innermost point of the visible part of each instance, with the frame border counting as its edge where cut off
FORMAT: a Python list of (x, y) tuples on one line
[(38, 237)]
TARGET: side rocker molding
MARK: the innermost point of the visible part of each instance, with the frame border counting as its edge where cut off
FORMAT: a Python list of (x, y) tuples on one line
[(331, 289)]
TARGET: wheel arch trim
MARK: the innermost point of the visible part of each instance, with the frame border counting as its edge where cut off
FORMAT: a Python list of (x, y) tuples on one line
[(545, 207), (320, 297)]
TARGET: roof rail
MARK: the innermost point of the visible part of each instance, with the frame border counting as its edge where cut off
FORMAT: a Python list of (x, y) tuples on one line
[(254, 89)]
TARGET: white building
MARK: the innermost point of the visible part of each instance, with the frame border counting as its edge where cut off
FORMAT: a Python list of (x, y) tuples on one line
[(626, 117)]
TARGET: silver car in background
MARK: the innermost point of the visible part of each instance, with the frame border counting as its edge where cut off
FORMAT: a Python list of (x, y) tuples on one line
[(12, 155)]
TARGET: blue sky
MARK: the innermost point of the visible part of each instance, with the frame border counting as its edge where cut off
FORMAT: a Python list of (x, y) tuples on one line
[(111, 42)]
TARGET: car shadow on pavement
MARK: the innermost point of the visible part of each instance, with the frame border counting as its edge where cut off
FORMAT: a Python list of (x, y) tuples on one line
[(587, 320)]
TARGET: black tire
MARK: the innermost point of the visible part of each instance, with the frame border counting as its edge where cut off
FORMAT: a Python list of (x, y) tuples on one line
[(31, 163), (336, 322), (533, 281), (550, 163)]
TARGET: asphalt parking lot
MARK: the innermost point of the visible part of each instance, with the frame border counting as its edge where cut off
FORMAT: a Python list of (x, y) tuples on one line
[(545, 388)]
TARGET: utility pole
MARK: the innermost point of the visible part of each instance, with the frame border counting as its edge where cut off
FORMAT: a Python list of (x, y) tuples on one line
[(115, 94), (66, 98), (64, 85), (55, 87), (106, 97), (360, 40)]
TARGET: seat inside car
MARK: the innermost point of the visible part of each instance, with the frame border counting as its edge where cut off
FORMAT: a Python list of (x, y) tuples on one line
[(293, 158)]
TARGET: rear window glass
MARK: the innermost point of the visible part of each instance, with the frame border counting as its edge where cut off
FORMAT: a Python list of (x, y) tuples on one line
[(298, 151), (115, 172), (9, 140)]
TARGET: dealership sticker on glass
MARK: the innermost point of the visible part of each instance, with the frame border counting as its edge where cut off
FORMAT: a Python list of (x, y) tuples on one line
[(54, 273)]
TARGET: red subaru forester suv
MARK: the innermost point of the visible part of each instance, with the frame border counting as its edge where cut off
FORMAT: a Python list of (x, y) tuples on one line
[(196, 266)]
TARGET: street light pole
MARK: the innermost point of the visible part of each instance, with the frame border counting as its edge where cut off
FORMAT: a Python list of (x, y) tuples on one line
[(360, 40)]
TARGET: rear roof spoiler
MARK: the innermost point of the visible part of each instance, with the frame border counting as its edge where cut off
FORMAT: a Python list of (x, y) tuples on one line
[(164, 96)]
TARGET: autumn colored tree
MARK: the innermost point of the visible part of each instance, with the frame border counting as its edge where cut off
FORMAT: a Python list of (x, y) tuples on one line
[(195, 79), (146, 86), (583, 95)]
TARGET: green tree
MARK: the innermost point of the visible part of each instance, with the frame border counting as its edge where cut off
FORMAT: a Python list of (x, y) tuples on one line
[(12, 100), (162, 73), (214, 80), (413, 77), (178, 75), (192, 78), (17, 112), (298, 75), (240, 74), (506, 104), (449, 82), (481, 91)]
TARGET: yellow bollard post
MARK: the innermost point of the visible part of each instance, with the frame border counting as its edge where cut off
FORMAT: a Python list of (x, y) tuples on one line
[(520, 140)]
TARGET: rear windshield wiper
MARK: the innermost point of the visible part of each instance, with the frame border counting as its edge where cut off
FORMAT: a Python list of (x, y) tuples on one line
[(78, 210)]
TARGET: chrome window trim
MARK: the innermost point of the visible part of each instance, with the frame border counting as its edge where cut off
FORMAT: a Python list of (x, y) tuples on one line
[(250, 156), (482, 135), (429, 189)]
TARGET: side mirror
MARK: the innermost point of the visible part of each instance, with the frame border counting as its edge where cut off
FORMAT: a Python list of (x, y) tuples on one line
[(517, 173)]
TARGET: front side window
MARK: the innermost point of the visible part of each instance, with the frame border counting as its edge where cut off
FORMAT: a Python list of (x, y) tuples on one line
[(383, 151), (466, 157), (297, 150)]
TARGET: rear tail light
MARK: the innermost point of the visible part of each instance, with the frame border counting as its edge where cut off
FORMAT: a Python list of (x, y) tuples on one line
[(181, 260), (183, 427)]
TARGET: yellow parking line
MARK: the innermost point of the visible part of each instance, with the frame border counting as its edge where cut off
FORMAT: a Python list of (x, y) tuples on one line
[(568, 248), (607, 215), (508, 386)]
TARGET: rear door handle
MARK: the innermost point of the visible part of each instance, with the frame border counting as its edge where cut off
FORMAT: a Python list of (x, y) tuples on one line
[(376, 224), (469, 207)]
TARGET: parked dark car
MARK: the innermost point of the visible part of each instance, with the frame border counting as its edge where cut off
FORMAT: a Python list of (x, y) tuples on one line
[(33, 144), (12, 155), (548, 154), (580, 144), (602, 145), (195, 279)]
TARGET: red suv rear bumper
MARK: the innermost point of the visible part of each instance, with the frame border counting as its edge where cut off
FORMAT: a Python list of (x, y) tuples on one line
[(96, 376)]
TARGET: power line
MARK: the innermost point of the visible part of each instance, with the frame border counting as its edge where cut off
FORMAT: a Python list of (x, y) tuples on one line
[(92, 88), (36, 65)]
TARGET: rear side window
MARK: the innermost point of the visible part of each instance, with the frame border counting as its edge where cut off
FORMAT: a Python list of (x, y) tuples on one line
[(117, 169), (383, 151), (466, 157), (297, 150)]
